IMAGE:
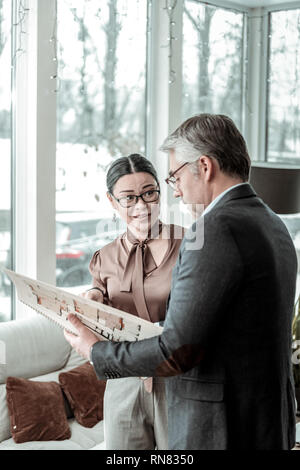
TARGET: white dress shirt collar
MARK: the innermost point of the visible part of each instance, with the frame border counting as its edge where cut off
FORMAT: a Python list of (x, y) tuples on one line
[(217, 199)]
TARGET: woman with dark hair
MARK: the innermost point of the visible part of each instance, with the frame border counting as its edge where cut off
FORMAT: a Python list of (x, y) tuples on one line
[(133, 273)]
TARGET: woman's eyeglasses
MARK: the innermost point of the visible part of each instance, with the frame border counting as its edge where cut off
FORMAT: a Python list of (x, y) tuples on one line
[(132, 199)]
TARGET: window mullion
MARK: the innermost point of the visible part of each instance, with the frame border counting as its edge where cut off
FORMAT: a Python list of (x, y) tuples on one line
[(35, 143), (164, 87), (257, 83)]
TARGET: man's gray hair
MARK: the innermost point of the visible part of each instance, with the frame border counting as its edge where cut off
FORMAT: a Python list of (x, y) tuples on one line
[(185, 150), (215, 136)]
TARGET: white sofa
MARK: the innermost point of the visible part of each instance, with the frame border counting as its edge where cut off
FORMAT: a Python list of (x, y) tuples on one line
[(35, 348)]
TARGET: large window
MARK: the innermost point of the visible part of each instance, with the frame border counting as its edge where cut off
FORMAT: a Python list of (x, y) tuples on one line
[(5, 155), (283, 136), (213, 60), (283, 111), (101, 115), (235, 59)]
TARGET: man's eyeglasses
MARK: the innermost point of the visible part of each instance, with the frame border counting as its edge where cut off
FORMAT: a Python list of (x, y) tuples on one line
[(130, 200), (171, 180)]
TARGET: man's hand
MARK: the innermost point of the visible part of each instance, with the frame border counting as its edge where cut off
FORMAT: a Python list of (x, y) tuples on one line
[(85, 339)]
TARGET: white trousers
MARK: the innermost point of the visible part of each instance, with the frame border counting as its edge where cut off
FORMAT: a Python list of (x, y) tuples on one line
[(133, 418)]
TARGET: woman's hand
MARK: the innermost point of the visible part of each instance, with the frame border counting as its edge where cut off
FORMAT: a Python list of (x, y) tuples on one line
[(93, 294)]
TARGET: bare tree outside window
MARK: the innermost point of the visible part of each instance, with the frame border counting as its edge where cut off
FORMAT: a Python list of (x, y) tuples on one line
[(100, 116), (213, 60), (201, 22), (112, 30), (101, 79), (283, 143)]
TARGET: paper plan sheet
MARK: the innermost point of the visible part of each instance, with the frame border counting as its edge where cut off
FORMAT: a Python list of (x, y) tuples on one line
[(105, 321)]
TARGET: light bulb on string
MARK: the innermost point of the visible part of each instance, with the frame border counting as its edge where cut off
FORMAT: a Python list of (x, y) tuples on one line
[(22, 12), (169, 8), (53, 41)]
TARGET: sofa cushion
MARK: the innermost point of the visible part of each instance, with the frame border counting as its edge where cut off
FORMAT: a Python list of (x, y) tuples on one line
[(4, 416), (74, 360), (36, 410), (33, 346), (85, 394)]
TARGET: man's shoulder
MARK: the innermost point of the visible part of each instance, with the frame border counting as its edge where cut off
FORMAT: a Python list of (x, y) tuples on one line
[(247, 220), (222, 224), (213, 219), (233, 211)]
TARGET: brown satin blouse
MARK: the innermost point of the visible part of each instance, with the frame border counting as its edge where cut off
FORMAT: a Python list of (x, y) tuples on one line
[(107, 268)]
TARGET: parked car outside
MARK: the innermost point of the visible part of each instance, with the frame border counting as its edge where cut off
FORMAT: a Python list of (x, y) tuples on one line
[(78, 236)]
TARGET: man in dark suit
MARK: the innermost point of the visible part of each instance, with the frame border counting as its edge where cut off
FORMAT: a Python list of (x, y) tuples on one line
[(226, 345)]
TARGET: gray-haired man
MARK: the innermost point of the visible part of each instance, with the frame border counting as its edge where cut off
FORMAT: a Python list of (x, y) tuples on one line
[(226, 344)]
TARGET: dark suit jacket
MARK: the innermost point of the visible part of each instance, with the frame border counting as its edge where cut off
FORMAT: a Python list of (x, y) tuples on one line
[(226, 344)]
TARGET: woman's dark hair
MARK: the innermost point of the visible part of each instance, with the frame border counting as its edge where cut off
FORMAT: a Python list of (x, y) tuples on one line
[(134, 163)]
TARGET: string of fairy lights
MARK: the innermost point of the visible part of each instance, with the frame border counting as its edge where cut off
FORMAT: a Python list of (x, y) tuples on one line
[(169, 11), (168, 6), (53, 41), (20, 29)]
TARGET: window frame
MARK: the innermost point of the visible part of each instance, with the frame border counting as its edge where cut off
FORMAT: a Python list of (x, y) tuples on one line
[(34, 146), (257, 78), (11, 192), (34, 135), (34, 150), (269, 11)]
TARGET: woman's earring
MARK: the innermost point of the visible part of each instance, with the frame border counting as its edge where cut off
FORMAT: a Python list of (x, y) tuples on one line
[(114, 219)]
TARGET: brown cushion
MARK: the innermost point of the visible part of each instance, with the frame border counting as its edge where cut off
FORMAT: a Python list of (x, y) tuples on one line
[(85, 394), (36, 410)]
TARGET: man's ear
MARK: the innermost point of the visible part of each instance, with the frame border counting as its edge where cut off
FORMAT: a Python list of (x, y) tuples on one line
[(206, 167)]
